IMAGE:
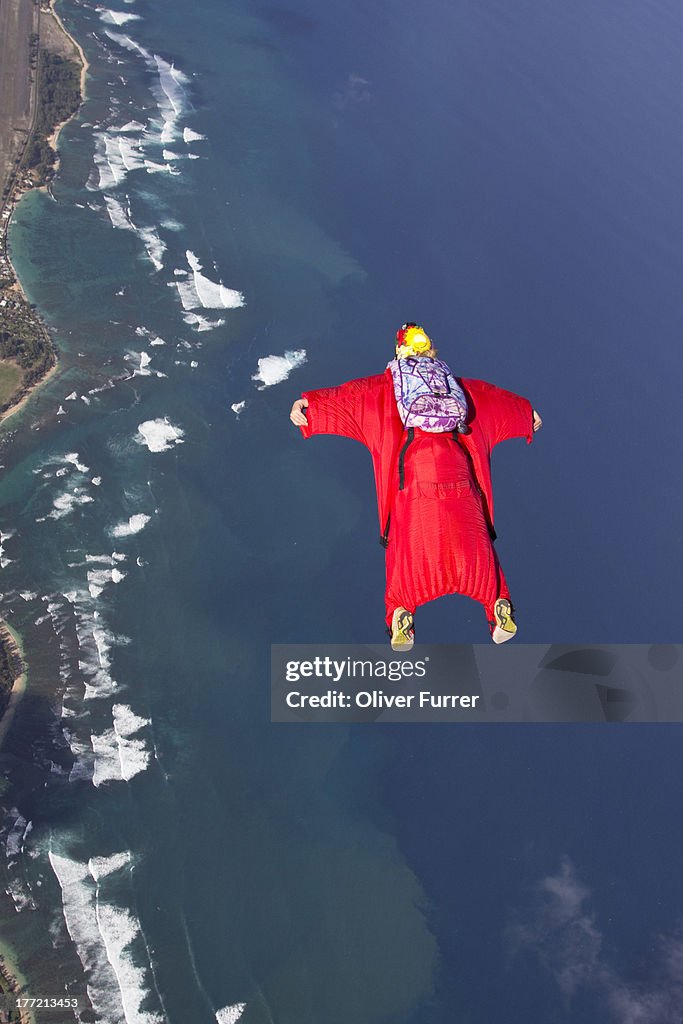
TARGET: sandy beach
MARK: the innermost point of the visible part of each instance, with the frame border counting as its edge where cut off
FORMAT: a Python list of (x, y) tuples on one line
[(28, 394)]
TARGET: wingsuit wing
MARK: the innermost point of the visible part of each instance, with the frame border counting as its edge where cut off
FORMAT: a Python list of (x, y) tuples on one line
[(365, 410), (501, 414), (495, 415), (347, 410)]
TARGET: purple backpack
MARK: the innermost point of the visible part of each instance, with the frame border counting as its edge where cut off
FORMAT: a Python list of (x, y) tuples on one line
[(427, 395)]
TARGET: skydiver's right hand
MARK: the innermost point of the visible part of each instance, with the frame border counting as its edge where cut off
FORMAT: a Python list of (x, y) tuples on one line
[(297, 415)]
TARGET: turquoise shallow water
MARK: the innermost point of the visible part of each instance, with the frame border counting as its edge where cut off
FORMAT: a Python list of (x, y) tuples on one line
[(466, 168)]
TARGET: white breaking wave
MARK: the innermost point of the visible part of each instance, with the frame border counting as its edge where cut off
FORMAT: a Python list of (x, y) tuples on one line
[(115, 156), (94, 654), (134, 525), (169, 93), (201, 323), (15, 839), (117, 17), (143, 359), (212, 295), (65, 503), (200, 291), (126, 722), (230, 1014), (159, 435), (119, 217), (171, 81), (129, 126), (98, 579), (190, 136), (275, 369), (104, 936), (154, 339), (155, 247), (118, 758), (99, 867), (237, 408), (74, 459)]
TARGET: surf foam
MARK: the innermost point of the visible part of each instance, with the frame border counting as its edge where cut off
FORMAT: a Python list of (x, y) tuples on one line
[(159, 435), (275, 369), (135, 523)]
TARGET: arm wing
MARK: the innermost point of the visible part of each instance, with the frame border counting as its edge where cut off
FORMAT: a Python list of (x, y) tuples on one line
[(349, 410), (500, 413)]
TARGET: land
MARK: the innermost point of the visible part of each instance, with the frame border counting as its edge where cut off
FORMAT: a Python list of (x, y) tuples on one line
[(12, 686), (10, 985), (42, 83), (12, 675)]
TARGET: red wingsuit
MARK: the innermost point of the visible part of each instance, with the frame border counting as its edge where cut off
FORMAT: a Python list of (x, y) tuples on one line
[(434, 495)]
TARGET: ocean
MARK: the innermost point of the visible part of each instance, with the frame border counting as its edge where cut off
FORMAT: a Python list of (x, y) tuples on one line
[(249, 203)]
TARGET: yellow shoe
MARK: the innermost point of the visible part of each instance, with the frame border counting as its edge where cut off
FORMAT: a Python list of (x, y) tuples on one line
[(504, 627), (402, 630)]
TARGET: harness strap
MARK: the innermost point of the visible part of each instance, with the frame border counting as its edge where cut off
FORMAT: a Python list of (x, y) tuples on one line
[(401, 458), (455, 434)]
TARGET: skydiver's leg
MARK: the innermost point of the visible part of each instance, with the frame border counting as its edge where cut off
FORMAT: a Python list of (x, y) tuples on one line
[(479, 574), (399, 592)]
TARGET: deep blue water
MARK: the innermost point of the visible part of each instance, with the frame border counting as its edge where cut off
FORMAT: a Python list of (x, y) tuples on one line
[(510, 178)]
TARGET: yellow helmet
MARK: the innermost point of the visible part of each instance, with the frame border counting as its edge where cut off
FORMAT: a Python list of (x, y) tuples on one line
[(412, 340)]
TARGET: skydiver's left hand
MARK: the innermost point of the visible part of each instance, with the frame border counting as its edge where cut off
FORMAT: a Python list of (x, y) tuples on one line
[(538, 422)]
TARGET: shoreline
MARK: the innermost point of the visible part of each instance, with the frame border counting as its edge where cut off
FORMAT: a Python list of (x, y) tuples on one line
[(13, 981), (13, 644), (23, 399), (11, 978), (85, 66), (20, 186)]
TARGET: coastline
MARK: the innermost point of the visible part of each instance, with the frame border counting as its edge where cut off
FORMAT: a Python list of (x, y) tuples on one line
[(22, 183), (54, 136), (13, 981), (24, 398), (12, 643), (11, 978)]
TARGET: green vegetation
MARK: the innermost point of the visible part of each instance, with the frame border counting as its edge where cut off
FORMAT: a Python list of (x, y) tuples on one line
[(59, 96), (22, 343), (26, 350), (10, 668), (11, 377)]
